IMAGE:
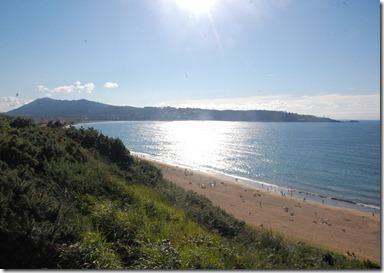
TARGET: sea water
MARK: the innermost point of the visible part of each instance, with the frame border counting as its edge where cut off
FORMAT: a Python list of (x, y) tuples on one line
[(336, 161)]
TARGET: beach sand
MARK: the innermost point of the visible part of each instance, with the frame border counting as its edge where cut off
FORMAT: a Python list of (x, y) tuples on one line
[(340, 229)]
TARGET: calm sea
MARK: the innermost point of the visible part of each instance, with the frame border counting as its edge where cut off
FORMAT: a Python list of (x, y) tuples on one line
[(332, 160)]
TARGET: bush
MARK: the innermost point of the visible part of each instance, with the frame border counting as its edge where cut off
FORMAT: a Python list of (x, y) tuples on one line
[(92, 252), (21, 122), (113, 149), (159, 256)]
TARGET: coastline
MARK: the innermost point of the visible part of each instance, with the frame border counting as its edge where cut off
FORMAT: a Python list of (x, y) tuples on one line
[(345, 230), (274, 188), (364, 200)]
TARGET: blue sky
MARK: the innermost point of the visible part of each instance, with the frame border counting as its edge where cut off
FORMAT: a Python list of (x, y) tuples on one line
[(310, 56)]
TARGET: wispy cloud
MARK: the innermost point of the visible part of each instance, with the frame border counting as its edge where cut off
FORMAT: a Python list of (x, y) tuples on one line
[(332, 105), (77, 86), (9, 103), (110, 85)]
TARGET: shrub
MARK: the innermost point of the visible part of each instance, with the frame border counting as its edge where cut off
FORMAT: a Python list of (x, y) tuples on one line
[(21, 122), (92, 252)]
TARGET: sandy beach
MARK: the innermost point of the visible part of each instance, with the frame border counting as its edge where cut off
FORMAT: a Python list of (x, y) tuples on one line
[(347, 231)]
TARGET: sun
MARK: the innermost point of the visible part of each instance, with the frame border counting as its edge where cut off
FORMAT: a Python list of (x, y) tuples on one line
[(196, 6)]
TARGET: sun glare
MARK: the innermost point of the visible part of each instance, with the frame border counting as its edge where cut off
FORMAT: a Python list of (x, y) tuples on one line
[(196, 6)]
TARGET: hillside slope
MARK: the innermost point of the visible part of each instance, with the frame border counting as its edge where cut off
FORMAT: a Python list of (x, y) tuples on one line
[(73, 198), (83, 110)]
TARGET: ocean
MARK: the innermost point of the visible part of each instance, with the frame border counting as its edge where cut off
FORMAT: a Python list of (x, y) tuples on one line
[(336, 162)]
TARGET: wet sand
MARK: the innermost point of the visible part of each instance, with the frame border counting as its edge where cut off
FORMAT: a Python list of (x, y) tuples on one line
[(347, 231)]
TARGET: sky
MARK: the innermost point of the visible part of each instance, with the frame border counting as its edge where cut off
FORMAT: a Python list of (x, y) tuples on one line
[(317, 57)]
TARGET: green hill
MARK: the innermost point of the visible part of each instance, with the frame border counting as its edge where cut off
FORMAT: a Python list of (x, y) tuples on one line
[(73, 198)]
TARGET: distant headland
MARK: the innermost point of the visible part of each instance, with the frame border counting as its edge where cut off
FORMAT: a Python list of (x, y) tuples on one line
[(46, 109)]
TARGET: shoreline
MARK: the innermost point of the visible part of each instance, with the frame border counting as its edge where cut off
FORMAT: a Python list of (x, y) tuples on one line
[(348, 231), (275, 189)]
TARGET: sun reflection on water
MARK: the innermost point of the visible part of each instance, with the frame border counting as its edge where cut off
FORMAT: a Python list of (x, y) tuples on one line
[(196, 143)]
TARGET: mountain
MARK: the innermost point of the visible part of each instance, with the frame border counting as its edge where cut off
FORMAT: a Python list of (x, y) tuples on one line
[(83, 110)]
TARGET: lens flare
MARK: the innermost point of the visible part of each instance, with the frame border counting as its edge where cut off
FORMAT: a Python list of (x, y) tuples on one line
[(196, 6)]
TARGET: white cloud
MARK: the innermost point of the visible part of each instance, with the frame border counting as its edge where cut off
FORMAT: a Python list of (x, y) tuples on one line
[(9, 103), (110, 85), (332, 105), (42, 88), (75, 87)]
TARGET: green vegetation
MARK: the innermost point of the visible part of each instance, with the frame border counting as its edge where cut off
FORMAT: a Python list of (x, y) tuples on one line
[(73, 198)]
